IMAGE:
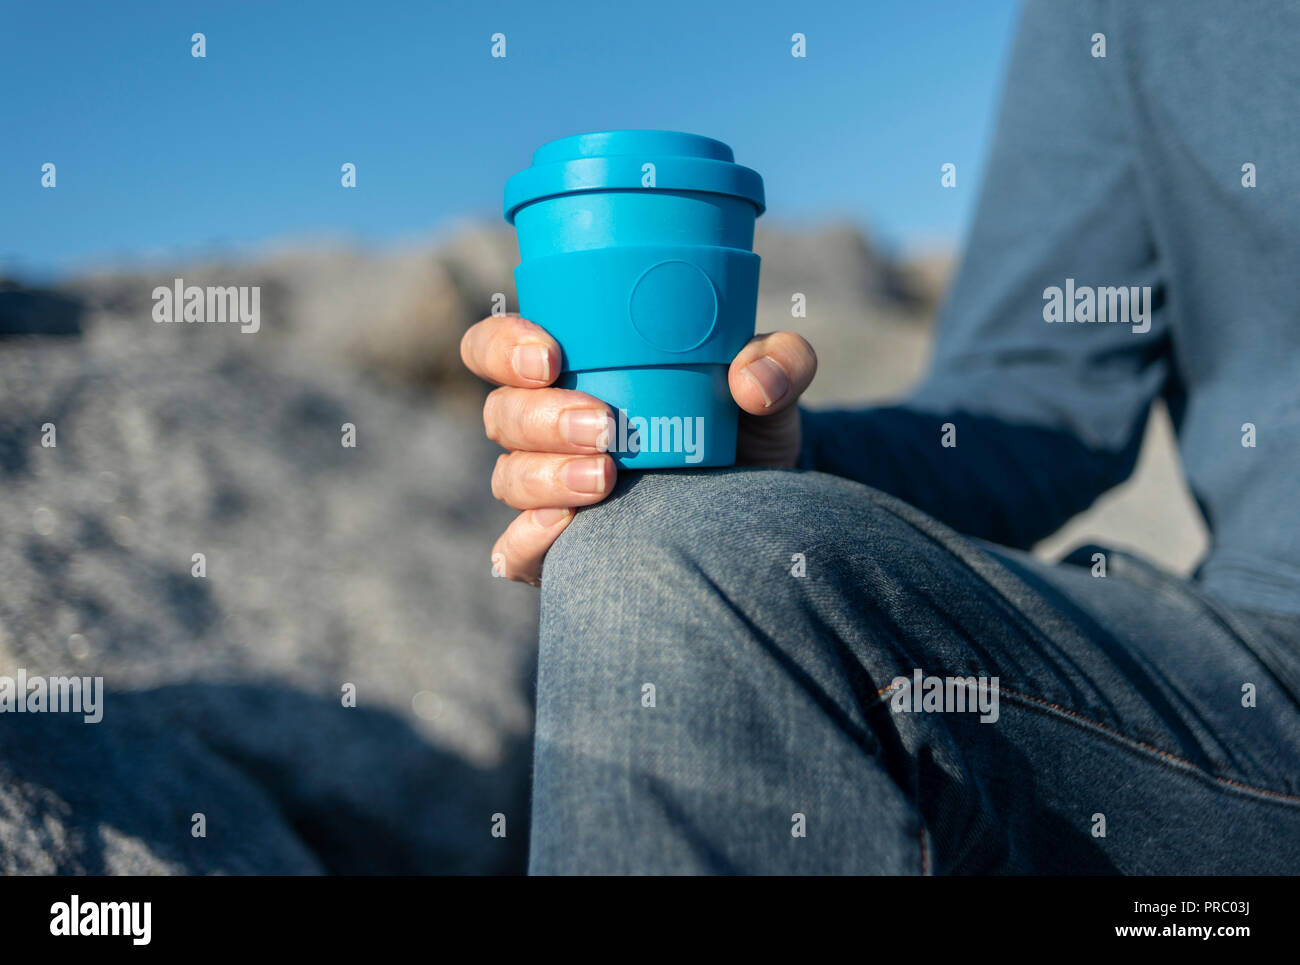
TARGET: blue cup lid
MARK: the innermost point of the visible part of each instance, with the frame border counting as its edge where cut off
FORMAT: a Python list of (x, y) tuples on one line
[(615, 159)]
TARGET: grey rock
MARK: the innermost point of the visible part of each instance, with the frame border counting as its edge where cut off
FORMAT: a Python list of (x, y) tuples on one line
[(26, 311), (325, 566), (834, 262)]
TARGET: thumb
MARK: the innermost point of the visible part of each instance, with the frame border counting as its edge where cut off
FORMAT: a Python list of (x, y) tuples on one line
[(771, 372), (766, 380)]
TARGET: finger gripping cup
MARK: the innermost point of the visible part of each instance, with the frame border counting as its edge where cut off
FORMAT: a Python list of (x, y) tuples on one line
[(636, 255)]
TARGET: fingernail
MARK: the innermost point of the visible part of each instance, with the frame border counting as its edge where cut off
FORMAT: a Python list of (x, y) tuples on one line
[(585, 475), (770, 378), (546, 518), (586, 427), (532, 362)]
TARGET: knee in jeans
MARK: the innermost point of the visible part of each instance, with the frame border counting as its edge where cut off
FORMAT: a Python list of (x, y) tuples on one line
[(767, 541), (718, 521)]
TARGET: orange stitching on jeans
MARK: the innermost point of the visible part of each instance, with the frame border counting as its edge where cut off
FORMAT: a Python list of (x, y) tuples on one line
[(1143, 744)]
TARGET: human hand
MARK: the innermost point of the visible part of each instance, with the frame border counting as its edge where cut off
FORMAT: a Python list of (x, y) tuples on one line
[(556, 439)]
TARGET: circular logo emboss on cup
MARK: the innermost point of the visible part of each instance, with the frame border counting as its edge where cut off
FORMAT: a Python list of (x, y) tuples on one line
[(673, 306)]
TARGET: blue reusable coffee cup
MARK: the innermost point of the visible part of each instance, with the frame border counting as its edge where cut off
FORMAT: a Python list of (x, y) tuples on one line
[(636, 252)]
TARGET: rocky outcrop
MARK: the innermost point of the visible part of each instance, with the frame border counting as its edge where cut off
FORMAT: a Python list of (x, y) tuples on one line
[(326, 570)]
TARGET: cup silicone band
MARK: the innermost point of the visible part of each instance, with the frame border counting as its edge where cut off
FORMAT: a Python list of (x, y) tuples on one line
[(644, 305)]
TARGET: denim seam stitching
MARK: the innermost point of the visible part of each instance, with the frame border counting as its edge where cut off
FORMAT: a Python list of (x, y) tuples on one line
[(1135, 744), (1029, 622), (1075, 717)]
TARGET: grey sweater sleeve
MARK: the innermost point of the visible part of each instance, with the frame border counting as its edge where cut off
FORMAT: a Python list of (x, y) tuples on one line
[(1045, 416)]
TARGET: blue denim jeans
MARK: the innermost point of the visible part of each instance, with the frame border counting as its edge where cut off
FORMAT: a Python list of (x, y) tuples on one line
[(703, 707)]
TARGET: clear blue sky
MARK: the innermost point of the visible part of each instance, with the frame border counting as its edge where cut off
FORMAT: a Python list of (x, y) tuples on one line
[(158, 152)]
